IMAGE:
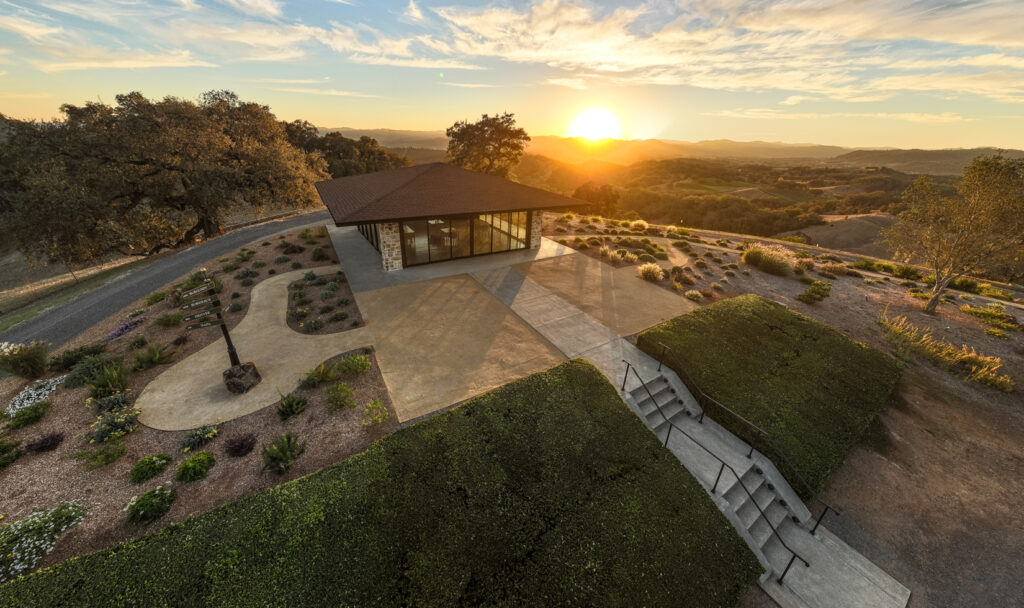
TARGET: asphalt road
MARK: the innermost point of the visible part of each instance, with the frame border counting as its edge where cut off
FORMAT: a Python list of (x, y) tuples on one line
[(61, 323)]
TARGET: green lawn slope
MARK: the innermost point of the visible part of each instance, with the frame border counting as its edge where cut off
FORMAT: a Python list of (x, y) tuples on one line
[(812, 389), (545, 492)]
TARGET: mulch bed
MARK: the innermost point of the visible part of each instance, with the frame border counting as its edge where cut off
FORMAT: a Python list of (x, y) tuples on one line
[(322, 304)]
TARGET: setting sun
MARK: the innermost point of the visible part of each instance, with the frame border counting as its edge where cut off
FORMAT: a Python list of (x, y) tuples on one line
[(594, 124)]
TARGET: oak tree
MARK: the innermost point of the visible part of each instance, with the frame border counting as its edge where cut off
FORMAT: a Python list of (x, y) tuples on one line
[(492, 145)]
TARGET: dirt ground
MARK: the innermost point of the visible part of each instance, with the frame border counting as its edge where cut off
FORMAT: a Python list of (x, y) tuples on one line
[(934, 496), (322, 304)]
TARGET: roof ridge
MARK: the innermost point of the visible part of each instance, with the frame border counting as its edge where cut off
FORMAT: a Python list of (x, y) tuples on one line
[(413, 175)]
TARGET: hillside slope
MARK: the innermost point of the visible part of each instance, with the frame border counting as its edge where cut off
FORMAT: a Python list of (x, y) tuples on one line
[(854, 233), (932, 162)]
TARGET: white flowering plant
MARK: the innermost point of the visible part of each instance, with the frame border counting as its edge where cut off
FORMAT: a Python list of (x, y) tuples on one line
[(26, 541), (24, 360), (33, 393)]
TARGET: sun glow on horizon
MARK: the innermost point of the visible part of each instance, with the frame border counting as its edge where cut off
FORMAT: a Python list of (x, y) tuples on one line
[(595, 124)]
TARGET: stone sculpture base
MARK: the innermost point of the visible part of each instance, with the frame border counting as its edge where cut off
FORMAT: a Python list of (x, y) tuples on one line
[(240, 378)]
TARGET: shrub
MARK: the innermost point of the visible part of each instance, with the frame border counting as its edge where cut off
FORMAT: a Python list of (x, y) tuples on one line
[(647, 258), (199, 437), (700, 264), (992, 292), (247, 273), (149, 467), (977, 367), (69, 358), (138, 342), (28, 415), (716, 287), (296, 265), (24, 360), (773, 260), (375, 412), (101, 455), (994, 315), (281, 259), (651, 272), (354, 365), (237, 446), (326, 309), (246, 282), (325, 372), (46, 443), (152, 505), (9, 452), (233, 266), (639, 225), (117, 401), (234, 307), (997, 333), (290, 405), (815, 292), (271, 271), (906, 272), (729, 273), (113, 425), (337, 317), (312, 326), (259, 264), (686, 280), (172, 319), (319, 255), (804, 265), (26, 541), (281, 454), (109, 379), (153, 355), (195, 467), (245, 254), (339, 396), (694, 295)]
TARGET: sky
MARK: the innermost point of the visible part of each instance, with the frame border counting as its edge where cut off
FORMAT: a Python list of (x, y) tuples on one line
[(867, 73)]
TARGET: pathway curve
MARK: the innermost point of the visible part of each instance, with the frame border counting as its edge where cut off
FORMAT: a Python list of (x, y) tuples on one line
[(61, 323), (191, 392)]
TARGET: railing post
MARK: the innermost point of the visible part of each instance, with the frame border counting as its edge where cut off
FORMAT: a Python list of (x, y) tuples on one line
[(661, 356), (786, 571), (701, 419), (751, 452), (720, 469), (820, 517), (625, 376), (667, 435)]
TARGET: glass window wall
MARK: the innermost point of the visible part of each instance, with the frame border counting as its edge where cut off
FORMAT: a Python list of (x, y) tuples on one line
[(445, 238)]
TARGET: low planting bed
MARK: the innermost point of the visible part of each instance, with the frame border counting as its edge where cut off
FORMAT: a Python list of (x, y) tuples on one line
[(322, 303), (547, 491), (812, 389)]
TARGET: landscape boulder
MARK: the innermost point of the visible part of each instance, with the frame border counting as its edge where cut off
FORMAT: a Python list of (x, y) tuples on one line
[(240, 378)]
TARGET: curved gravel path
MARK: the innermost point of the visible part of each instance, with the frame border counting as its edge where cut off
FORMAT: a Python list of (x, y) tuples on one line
[(61, 323)]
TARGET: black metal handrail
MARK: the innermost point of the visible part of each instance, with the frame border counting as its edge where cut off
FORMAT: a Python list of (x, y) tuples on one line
[(704, 397), (721, 468)]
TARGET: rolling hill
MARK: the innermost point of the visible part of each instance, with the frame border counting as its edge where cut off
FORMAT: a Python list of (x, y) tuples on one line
[(931, 162)]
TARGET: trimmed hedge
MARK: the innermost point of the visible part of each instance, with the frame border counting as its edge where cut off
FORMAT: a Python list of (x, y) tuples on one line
[(545, 492), (811, 388)]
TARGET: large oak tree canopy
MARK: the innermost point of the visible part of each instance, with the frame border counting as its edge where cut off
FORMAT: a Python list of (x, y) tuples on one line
[(492, 145), (980, 230), (143, 174)]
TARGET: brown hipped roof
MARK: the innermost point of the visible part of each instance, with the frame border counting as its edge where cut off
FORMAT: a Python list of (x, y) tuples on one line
[(431, 190)]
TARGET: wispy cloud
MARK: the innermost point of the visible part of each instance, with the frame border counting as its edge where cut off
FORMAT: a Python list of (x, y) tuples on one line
[(87, 59), (469, 85), (29, 29), (290, 80), (265, 8), (772, 114), (329, 92), (413, 12)]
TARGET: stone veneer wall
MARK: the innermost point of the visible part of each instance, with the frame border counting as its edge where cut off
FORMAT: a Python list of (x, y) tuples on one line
[(390, 246), (536, 222)]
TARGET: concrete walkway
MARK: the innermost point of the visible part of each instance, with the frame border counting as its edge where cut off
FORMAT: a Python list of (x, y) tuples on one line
[(191, 392), (838, 576)]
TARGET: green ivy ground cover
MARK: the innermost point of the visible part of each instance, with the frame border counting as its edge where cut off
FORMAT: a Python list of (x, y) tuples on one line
[(545, 492), (811, 388)]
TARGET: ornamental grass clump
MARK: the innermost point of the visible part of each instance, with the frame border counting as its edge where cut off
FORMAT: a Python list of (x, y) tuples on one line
[(815, 292), (291, 404), (325, 372), (24, 360), (974, 365), (152, 505), (694, 295), (152, 355), (375, 412), (768, 258), (66, 360), (149, 467), (110, 379), (651, 272), (195, 467), (354, 365), (10, 450), (25, 542), (339, 396), (199, 437), (281, 454), (994, 315)]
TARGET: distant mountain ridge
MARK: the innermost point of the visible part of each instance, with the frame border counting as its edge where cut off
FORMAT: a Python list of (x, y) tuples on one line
[(625, 152)]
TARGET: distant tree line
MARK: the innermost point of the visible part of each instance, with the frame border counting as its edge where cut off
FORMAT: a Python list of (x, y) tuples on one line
[(141, 175)]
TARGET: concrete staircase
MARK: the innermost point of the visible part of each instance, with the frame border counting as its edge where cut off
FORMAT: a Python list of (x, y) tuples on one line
[(805, 565)]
